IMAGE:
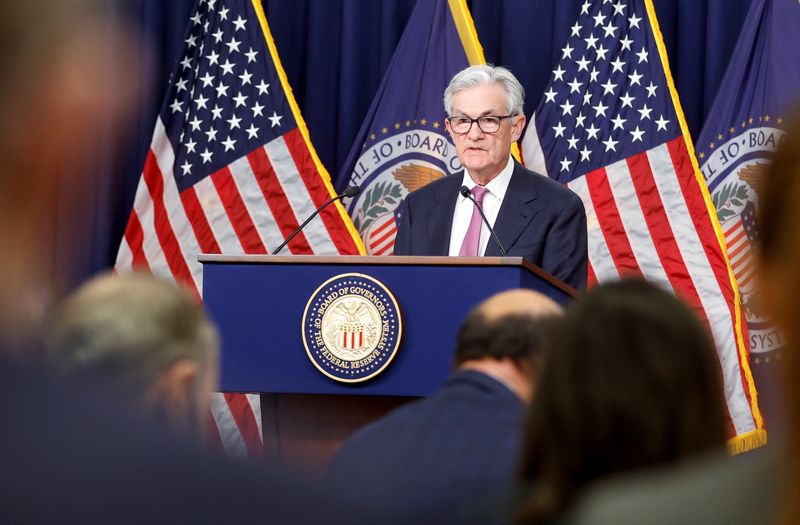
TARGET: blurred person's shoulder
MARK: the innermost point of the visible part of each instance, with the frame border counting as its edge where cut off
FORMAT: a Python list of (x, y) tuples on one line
[(69, 455), (715, 489)]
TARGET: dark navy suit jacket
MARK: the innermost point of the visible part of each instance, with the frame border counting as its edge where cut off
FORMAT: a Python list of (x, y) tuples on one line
[(448, 452), (76, 455), (539, 219)]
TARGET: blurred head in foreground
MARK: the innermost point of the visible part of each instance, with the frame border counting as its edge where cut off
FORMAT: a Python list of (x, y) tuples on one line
[(779, 281), (507, 336), (65, 94), (632, 382), (142, 337)]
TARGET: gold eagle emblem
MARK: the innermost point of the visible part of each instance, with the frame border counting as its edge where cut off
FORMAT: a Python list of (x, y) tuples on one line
[(414, 176), (754, 175)]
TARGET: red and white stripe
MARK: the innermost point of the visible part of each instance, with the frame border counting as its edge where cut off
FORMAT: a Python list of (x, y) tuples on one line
[(250, 206), (700, 248), (237, 423), (739, 252), (352, 338), (381, 235), (646, 216), (600, 261)]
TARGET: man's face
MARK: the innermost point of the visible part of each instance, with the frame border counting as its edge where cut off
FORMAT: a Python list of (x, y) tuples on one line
[(484, 154)]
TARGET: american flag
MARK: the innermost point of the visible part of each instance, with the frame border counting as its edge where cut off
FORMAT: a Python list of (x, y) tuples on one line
[(230, 170), (610, 126), (740, 233)]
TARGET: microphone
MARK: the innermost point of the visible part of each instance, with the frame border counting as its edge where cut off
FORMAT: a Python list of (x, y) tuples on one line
[(464, 191), (352, 191)]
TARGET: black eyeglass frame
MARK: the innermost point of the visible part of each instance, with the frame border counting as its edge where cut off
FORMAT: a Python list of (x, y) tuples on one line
[(477, 121)]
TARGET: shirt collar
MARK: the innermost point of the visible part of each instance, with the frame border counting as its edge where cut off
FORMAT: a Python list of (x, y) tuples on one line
[(498, 185)]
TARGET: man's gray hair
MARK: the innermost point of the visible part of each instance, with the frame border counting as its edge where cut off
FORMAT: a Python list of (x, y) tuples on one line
[(482, 75), (124, 331)]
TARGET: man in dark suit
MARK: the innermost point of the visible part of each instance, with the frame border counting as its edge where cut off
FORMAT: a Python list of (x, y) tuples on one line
[(533, 216), (436, 457)]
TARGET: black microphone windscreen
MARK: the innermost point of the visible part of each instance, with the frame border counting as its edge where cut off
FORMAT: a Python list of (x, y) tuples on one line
[(352, 191), (464, 191)]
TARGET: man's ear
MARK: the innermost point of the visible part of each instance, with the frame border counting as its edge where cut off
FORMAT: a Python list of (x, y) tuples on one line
[(447, 127), (517, 126), (175, 392)]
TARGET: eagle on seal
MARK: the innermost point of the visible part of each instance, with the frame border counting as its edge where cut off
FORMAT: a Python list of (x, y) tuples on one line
[(414, 176)]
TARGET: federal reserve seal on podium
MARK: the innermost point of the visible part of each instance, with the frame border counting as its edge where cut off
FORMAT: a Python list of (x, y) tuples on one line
[(352, 327)]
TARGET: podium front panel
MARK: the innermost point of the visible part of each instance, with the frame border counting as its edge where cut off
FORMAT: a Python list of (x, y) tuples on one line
[(259, 309)]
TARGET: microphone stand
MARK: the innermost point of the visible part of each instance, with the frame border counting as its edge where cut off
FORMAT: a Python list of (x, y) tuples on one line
[(352, 191)]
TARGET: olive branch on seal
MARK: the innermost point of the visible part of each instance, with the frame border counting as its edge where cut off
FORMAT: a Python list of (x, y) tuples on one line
[(730, 198), (378, 200)]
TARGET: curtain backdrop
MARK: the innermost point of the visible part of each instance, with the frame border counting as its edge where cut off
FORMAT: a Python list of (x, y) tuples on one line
[(336, 51)]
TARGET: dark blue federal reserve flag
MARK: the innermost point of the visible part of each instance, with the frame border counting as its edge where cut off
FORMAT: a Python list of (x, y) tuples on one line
[(759, 89), (402, 144)]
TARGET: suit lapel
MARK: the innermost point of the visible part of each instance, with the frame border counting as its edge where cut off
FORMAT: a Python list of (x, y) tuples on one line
[(440, 216), (516, 212)]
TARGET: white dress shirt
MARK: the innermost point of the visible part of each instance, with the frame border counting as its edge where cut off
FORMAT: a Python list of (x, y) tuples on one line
[(491, 207)]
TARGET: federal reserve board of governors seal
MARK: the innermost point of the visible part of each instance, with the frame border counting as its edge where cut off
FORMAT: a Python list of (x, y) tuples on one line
[(351, 327)]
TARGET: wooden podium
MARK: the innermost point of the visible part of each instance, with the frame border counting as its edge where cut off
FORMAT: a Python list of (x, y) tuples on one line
[(258, 302)]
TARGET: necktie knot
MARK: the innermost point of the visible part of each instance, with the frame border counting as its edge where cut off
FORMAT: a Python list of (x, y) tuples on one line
[(479, 192)]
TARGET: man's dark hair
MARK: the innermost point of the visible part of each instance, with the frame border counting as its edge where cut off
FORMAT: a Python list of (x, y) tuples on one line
[(523, 338), (634, 382)]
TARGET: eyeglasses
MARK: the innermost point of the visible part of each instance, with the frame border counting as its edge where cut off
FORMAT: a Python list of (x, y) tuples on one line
[(487, 123)]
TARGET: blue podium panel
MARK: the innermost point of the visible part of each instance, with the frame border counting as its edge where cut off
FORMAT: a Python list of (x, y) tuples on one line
[(258, 303)]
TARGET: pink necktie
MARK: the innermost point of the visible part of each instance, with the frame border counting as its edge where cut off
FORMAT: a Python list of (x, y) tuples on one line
[(472, 239)]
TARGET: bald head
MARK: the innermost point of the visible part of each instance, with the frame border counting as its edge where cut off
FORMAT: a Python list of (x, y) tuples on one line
[(511, 325), (526, 303)]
